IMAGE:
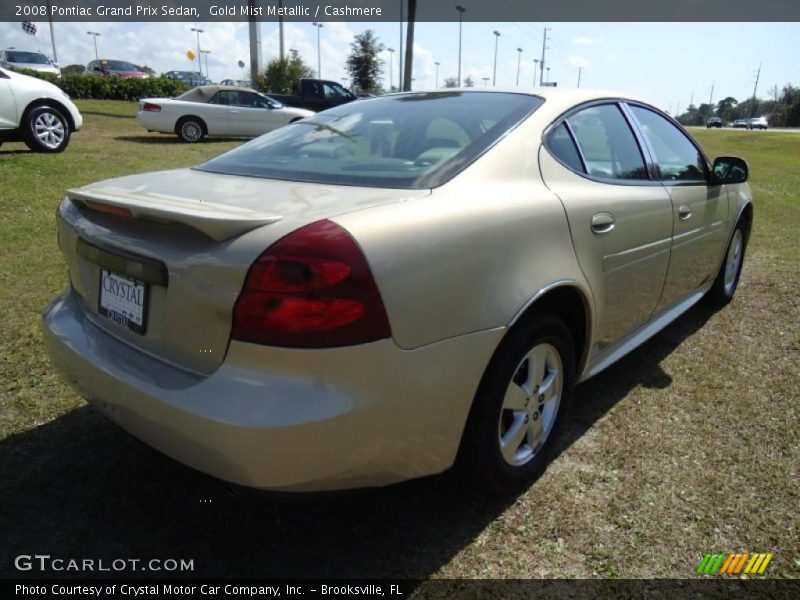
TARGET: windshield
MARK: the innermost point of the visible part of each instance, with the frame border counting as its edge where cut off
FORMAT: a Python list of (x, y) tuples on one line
[(27, 57), (118, 65), (412, 141)]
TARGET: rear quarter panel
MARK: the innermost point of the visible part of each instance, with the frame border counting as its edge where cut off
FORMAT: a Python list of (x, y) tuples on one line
[(474, 253)]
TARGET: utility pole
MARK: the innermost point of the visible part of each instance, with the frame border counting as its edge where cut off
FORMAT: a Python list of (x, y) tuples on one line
[(437, 74), (461, 11), (408, 73), (280, 32), (255, 41), (691, 100), (52, 34), (519, 60), (535, 68), (544, 48), (400, 54), (755, 87), (580, 69), (494, 72), (711, 97), (391, 60)]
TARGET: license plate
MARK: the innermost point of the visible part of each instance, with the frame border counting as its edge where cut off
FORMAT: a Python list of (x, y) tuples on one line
[(123, 300)]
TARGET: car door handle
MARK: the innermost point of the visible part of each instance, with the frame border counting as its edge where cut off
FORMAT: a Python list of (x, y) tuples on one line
[(603, 223), (684, 212)]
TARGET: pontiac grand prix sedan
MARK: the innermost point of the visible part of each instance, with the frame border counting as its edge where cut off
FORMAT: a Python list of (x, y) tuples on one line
[(393, 286), (214, 110)]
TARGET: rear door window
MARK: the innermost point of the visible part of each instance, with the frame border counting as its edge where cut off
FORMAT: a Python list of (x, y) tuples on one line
[(609, 148)]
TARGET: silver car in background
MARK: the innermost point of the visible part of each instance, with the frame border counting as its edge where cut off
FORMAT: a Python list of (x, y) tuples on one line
[(392, 286)]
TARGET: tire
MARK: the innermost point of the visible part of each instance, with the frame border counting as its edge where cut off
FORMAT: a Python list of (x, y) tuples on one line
[(537, 352), (191, 130), (45, 129), (727, 279)]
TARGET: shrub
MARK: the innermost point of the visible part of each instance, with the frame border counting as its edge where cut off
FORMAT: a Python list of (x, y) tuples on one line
[(112, 88)]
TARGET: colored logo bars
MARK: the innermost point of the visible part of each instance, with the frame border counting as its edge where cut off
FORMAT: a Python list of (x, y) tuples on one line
[(733, 564)]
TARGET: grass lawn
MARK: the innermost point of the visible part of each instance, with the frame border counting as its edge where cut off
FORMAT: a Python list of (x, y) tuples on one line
[(689, 445)]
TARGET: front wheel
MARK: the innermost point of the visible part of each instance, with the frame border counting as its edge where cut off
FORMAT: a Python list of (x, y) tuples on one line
[(727, 280), (521, 405), (46, 130)]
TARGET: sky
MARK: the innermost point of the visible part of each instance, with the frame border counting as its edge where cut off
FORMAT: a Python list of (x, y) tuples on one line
[(670, 64)]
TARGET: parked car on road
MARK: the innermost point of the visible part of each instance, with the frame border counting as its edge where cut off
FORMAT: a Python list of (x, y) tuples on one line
[(190, 78), (10, 58), (714, 122), (316, 95), (36, 112), (739, 124), (119, 68), (215, 110), (757, 123), (394, 285)]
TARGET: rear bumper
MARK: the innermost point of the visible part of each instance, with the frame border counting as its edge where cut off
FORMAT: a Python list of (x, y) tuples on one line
[(279, 418), (154, 122)]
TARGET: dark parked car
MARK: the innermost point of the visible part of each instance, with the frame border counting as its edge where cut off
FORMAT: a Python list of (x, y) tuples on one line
[(739, 124), (190, 78), (316, 95), (119, 68), (714, 122)]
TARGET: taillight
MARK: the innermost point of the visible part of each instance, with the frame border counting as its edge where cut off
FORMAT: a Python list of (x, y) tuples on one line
[(150, 107), (311, 289)]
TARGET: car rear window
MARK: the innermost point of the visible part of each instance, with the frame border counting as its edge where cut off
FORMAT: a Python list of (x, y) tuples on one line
[(410, 141)]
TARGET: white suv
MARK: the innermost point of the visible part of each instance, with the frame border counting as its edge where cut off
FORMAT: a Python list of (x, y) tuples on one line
[(36, 112)]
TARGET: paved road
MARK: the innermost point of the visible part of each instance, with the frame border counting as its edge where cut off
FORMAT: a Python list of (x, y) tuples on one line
[(776, 129)]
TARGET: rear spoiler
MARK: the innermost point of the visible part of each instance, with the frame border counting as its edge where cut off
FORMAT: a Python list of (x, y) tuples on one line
[(217, 221)]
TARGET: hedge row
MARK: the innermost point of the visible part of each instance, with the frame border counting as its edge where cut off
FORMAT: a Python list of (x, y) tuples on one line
[(112, 88)]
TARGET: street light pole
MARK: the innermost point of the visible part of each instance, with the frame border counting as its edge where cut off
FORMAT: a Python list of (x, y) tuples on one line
[(494, 72), (199, 57), (519, 61), (94, 35), (535, 67), (206, 52), (461, 11), (319, 56), (437, 74), (485, 81), (548, 74)]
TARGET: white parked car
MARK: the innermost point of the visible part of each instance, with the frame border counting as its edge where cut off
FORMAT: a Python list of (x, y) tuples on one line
[(11, 58), (36, 112), (216, 110)]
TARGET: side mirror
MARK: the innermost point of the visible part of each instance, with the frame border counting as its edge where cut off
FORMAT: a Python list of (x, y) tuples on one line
[(729, 169)]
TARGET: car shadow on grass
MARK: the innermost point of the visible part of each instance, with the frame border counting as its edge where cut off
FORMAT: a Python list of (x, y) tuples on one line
[(170, 138), (80, 487)]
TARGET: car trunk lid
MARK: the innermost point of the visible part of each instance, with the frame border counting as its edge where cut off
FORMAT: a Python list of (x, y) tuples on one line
[(181, 242)]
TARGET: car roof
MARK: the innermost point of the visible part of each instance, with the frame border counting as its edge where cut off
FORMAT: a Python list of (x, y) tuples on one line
[(565, 96), (204, 93)]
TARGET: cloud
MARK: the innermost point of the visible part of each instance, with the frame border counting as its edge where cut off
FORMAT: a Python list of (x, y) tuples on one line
[(578, 61), (585, 40)]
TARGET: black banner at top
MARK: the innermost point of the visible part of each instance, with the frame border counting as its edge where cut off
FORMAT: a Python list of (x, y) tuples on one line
[(396, 10)]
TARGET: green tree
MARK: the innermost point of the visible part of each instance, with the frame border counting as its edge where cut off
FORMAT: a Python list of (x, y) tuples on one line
[(280, 76), (363, 63), (450, 82), (468, 82), (726, 109)]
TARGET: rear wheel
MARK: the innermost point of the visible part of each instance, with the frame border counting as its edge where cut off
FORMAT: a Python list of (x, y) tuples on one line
[(520, 407), (727, 280), (46, 130), (191, 130)]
